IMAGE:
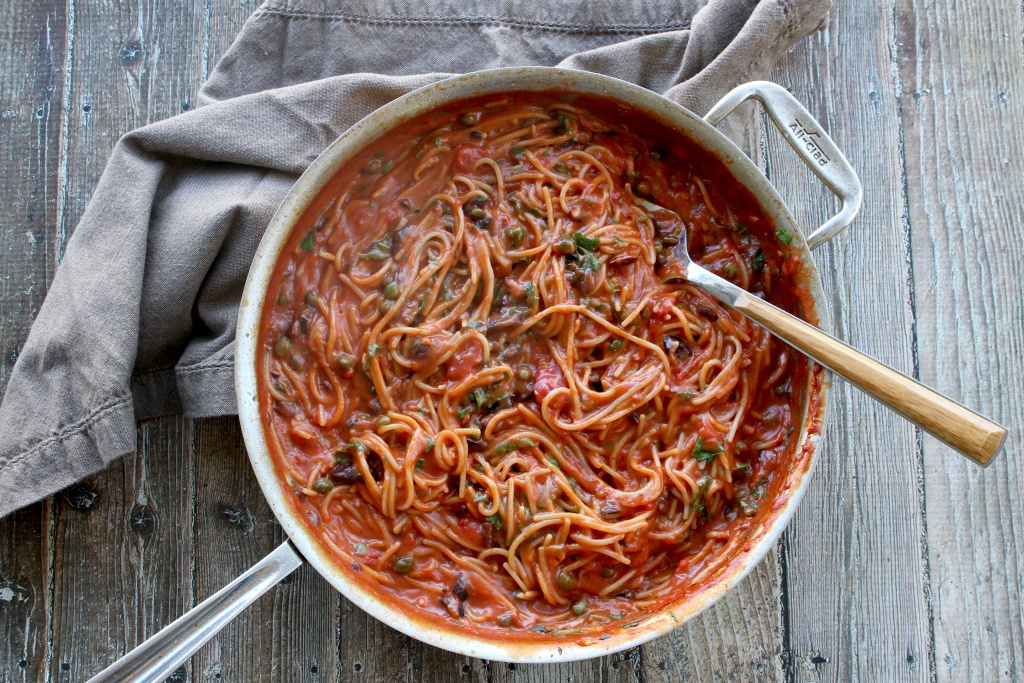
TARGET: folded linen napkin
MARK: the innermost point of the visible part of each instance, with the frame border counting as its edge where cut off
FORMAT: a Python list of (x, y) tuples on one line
[(140, 318)]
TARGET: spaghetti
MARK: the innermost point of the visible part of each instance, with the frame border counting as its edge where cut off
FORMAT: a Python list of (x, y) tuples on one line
[(484, 399)]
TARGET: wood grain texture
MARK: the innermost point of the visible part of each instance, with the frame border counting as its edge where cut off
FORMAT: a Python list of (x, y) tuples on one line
[(32, 55), (910, 571), (962, 102), (857, 588), (289, 634)]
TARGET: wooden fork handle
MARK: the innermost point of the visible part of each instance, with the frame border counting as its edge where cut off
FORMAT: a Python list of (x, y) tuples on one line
[(960, 428)]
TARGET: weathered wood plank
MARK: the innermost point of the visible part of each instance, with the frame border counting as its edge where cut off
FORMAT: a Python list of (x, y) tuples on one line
[(962, 102), (32, 54), (124, 560), (856, 567), (288, 635)]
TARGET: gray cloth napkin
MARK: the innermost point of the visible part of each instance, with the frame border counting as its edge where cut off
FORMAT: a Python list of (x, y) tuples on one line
[(140, 318)]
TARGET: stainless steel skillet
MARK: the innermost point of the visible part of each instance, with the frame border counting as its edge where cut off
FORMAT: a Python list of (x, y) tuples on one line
[(156, 658)]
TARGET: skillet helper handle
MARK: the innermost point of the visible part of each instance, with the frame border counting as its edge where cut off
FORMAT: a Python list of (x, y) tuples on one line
[(960, 428), (810, 141), (157, 658)]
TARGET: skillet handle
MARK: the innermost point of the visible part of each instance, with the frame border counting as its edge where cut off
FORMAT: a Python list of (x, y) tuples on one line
[(810, 141), (157, 658)]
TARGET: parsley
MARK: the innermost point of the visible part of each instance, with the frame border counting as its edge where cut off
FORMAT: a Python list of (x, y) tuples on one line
[(783, 236), (380, 250), (496, 521), (531, 295), (702, 454), (750, 502), (437, 142), (758, 262), (307, 243), (430, 446), (616, 617), (517, 151), (539, 628), (373, 350), (742, 467), (697, 502), (585, 243), (420, 463)]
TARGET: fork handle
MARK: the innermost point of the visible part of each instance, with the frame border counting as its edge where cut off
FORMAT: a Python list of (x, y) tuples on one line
[(960, 428)]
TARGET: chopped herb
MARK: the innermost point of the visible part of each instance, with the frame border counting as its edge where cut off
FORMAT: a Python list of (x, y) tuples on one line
[(616, 617), (527, 443), (673, 615), (783, 236), (430, 446), (697, 502), (685, 396), (517, 152), (437, 142), (464, 411), (584, 242), (561, 168), (539, 628), (632, 624), (758, 262), (380, 250), (702, 454), (604, 637), (478, 397), (420, 152), (496, 521), (531, 295), (729, 270), (554, 463), (373, 350), (656, 155), (632, 175), (307, 243), (742, 467), (386, 166), (420, 463)]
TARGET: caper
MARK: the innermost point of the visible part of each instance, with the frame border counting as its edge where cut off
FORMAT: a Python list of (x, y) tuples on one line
[(524, 373), (579, 608), (391, 291), (515, 234), (403, 564), (643, 188), (565, 581), (386, 305), (565, 245), (372, 167), (311, 298), (282, 347), (283, 299), (345, 361), (386, 166), (477, 213), (505, 620), (382, 421), (323, 485), (470, 118), (607, 571)]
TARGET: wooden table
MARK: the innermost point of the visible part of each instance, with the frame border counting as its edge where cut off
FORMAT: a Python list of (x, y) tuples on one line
[(904, 561)]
